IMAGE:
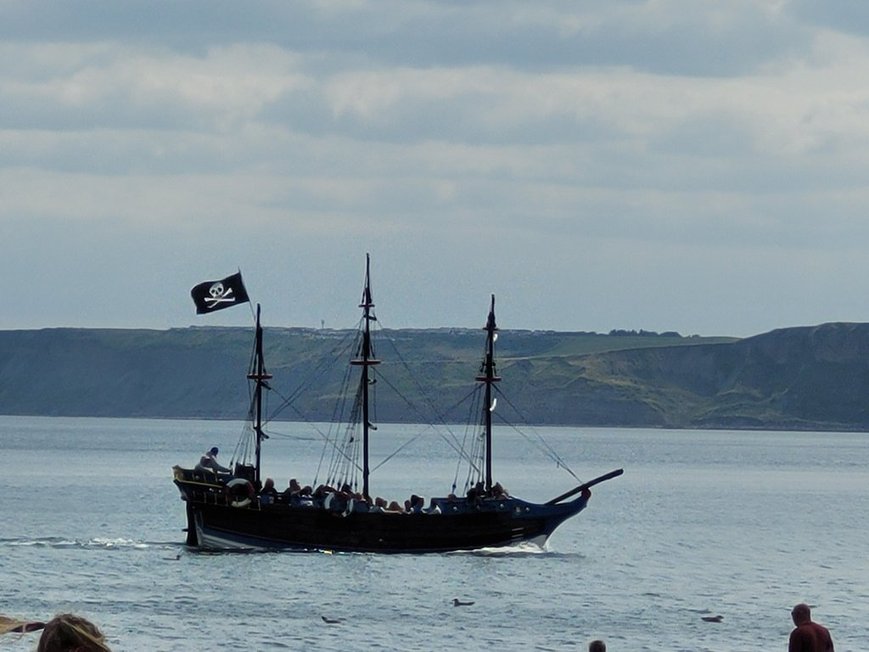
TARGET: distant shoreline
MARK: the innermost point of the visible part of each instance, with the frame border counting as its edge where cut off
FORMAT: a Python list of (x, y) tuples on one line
[(810, 378)]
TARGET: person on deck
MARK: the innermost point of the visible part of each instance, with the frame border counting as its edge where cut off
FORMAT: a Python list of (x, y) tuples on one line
[(475, 493), (597, 646), (291, 493), (209, 461), (269, 487), (417, 504), (433, 507), (268, 493), (808, 636), (498, 491)]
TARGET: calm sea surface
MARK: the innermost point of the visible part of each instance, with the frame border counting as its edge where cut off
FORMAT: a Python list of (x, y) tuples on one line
[(741, 524)]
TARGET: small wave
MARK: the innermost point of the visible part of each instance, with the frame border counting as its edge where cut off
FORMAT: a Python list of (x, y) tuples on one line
[(105, 543), (49, 542)]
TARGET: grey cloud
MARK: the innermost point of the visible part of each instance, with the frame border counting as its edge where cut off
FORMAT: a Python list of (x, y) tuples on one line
[(115, 111), (849, 16), (698, 38), (463, 118)]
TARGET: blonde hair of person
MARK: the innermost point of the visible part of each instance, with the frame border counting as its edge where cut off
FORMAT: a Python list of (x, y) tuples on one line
[(71, 633)]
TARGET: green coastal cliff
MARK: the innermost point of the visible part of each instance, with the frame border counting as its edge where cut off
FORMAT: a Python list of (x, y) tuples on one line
[(793, 378)]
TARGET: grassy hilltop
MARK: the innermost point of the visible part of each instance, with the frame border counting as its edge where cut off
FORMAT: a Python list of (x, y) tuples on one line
[(806, 377)]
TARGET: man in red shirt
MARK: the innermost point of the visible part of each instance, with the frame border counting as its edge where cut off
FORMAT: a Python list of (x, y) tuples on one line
[(808, 636)]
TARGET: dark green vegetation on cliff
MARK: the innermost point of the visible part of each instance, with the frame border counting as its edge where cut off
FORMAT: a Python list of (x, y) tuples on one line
[(794, 378)]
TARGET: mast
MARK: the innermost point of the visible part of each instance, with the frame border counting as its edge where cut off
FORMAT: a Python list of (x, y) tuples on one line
[(259, 375), (489, 377), (365, 361)]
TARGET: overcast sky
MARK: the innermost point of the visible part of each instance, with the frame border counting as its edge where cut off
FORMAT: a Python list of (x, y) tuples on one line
[(694, 165)]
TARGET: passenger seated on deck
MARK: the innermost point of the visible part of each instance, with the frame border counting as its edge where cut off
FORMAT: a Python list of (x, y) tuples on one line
[(345, 493), (476, 492), (322, 491), (359, 497), (268, 495), (359, 503), (416, 504), (209, 462), (394, 507), (292, 492), (305, 497), (498, 491), (324, 495), (269, 489)]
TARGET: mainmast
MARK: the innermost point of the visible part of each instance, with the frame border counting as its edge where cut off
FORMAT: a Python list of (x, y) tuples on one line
[(489, 377), (365, 361), (259, 375)]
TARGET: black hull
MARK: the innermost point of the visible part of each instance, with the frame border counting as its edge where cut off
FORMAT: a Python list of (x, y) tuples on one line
[(217, 525)]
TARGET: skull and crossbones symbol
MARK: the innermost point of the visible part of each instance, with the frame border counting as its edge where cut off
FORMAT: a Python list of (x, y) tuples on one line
[(218, 293)]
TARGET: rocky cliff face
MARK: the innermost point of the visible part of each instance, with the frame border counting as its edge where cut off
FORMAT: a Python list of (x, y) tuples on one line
[(808, 377), (794, 378)]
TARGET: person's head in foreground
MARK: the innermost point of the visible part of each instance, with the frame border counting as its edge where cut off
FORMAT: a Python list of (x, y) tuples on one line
[(70, 633)]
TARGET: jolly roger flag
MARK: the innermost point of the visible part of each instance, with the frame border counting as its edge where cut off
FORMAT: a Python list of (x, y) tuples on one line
[(217, 295)]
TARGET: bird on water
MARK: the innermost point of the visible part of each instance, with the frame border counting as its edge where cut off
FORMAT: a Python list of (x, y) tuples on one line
[(712, 619)]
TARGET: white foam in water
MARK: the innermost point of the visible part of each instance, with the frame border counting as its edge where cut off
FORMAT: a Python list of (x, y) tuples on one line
[(116, 543)]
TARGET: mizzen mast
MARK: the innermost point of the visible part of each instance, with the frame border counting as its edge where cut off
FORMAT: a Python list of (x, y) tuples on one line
[(259, 375), (489, 377), (366, 360)]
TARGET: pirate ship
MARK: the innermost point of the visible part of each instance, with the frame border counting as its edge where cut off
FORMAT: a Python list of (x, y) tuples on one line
[(236, 511)]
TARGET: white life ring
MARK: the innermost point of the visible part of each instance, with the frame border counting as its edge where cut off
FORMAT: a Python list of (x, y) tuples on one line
[(237, 498)]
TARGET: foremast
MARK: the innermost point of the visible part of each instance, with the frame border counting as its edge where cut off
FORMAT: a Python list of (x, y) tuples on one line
[(366, 360), (259, 375), (489, 376)]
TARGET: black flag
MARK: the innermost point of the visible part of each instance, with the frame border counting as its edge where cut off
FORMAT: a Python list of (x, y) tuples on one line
[(216, 295)]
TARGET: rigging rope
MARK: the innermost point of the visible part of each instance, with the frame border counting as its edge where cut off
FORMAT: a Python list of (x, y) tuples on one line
[(325, 363), (540, 443), (345, 446), (477, 453)]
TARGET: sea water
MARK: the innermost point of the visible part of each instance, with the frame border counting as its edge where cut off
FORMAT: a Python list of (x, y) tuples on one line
[(737, 524)]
